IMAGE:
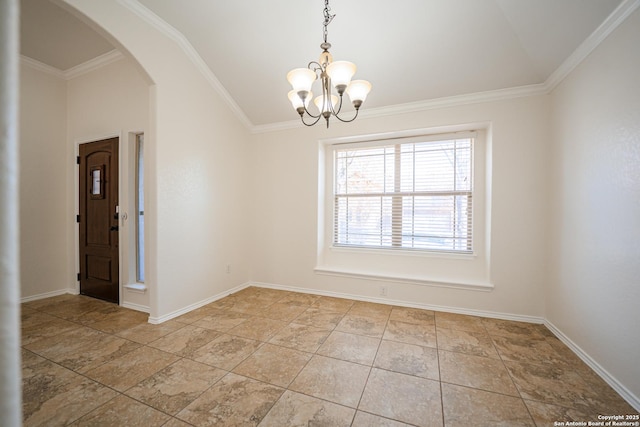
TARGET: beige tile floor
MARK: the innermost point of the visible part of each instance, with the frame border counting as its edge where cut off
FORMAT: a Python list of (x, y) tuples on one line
[(273, 358)]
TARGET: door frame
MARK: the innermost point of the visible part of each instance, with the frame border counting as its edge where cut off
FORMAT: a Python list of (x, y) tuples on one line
[(76, 208)]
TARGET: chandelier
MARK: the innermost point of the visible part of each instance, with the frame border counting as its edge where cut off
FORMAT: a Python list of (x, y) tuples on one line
[(330, 73)]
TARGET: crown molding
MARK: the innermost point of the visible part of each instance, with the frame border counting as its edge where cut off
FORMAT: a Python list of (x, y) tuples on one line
[(93, 64), (78, 70), (42, 67), (626, 8), (430, 104), (457, 100), (617, 17), (275, 127), (163, 27)]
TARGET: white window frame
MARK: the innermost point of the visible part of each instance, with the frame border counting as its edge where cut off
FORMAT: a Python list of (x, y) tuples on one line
[(417, 267), (396, 195)]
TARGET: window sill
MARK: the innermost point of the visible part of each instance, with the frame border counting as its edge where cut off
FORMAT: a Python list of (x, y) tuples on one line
[(139, 288), (472, 286)]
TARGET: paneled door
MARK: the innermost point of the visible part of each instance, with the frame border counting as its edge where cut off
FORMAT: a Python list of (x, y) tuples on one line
[(98, 220)]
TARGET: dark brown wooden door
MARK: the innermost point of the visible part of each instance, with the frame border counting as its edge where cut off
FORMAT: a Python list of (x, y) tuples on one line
[(99, 220)]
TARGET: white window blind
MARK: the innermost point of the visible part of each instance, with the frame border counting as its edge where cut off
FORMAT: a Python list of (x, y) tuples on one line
[(405, 195)]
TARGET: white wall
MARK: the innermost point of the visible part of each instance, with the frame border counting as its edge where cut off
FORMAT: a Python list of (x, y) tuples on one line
[(285, 208), (110, 101), (594, 287), (43, 185), (209, 206), (196, 178)]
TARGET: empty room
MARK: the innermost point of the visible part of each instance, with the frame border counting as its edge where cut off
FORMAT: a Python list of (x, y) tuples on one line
[(321, 213)]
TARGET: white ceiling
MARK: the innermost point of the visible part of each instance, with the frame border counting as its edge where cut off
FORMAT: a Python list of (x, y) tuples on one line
[(56, 38), (410, 50)]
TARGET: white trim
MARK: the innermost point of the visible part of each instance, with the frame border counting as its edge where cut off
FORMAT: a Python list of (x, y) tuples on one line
[(457, 100), (41, 66), (430, 104), (422, 281), (399, 303), (78, 70), (626, 8), (136, 307), (409, 133), (191, 307), (407, 136), (187, 48), (93, 64), (48, 295), (139, 288), (626, 394), (330, 259), (275, 127)]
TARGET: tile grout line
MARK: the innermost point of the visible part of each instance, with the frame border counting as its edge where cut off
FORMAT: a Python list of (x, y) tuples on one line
[(264, 341), (435, 326), (123, 393), (293, 380), (118, 392), (510, 376), (373, 362)]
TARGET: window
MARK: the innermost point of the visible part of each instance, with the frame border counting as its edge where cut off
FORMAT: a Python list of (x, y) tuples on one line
[(140, 208), (408, 193)]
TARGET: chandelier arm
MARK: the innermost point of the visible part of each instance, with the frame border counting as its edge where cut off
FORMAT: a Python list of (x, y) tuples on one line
[(316, 66), (347, 121), (311, 115), (317, 119), (333, 110)]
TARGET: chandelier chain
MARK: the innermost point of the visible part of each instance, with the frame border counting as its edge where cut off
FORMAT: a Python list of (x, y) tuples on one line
[(327, 19)]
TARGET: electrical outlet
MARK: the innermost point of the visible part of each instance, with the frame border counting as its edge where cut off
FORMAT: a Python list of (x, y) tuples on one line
[(383, 291)]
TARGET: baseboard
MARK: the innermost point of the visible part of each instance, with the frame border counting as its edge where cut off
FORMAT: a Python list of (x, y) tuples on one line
[(136, 307), (388, 301), (48, 295), (185, 310), (626, 394)]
